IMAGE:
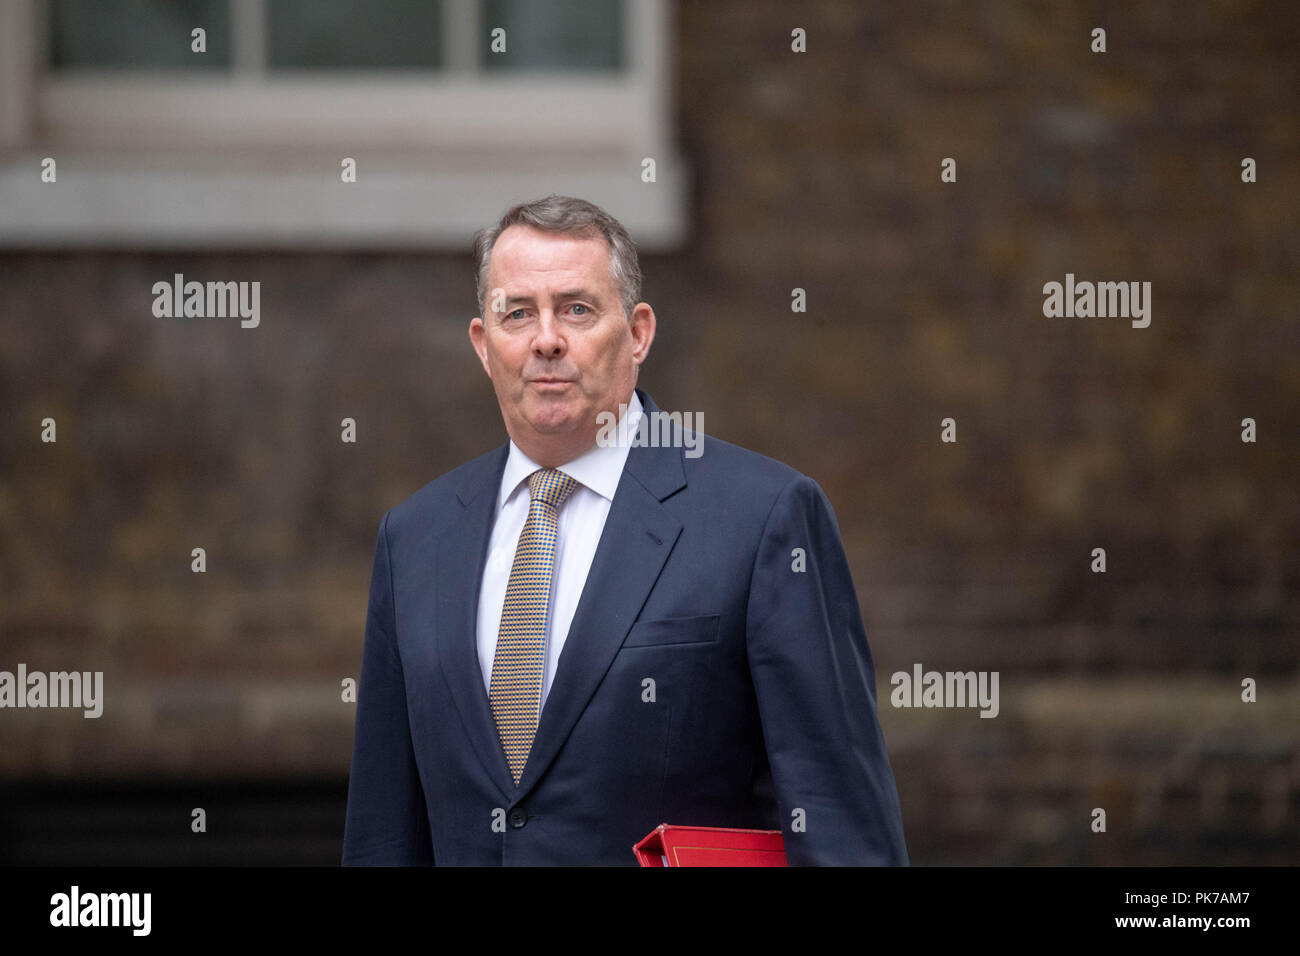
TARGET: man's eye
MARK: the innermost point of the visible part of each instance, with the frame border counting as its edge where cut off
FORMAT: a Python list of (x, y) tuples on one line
[(579, 305), (516, 312)]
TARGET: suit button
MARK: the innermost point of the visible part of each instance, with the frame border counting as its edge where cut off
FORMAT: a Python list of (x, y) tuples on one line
[(518, 817)]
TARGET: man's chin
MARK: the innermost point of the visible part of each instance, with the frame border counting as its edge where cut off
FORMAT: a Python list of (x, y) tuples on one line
[(551, 419)]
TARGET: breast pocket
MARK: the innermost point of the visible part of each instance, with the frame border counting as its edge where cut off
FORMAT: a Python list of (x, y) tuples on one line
[(701, 629)]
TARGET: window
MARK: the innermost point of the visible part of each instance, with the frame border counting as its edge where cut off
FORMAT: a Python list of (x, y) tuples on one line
[(242, 144)]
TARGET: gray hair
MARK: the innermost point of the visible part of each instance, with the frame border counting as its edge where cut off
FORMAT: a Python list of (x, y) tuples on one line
[(575, 217)]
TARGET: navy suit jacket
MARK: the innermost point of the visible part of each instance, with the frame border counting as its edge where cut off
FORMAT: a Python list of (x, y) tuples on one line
[(704, 680)]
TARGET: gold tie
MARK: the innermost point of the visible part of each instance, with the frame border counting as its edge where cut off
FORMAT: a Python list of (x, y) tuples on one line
[(520, 661)]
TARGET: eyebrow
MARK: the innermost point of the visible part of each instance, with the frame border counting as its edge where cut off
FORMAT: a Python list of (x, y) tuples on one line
[(567, 294)]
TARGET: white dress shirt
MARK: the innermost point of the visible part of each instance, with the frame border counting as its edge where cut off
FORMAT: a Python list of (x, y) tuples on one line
[(582, 519)]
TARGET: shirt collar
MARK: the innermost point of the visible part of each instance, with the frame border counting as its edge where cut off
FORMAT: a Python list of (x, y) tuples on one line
[(599, 467)]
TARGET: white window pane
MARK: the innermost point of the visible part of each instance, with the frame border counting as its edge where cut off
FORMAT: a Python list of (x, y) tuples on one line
[(554, 35), (345, 34), (137, 34)]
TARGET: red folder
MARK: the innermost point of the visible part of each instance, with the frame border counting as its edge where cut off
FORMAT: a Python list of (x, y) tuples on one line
[(669, 845)]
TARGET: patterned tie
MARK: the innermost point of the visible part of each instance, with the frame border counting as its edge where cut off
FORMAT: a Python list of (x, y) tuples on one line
[(516, 692)]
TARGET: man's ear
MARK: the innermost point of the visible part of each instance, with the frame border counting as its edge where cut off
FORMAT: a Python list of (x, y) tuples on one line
[(642, 324), (478, 339)]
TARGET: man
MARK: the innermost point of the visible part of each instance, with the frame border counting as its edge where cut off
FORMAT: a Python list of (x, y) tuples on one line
[(571, 641)]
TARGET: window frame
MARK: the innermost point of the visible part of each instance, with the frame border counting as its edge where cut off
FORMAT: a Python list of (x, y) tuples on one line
[(259, 151)]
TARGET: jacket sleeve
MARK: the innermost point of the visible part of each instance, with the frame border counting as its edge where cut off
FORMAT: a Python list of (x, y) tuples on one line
[(816, 691), (387, 823)]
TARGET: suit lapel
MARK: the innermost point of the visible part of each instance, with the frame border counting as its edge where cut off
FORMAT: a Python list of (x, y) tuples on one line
[(638, 536), (462, 554)]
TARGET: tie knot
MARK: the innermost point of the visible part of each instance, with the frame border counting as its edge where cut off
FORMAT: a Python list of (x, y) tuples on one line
[(550, 486)]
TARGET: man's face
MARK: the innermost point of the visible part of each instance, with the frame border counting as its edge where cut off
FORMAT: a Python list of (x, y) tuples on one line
[(555, 341)]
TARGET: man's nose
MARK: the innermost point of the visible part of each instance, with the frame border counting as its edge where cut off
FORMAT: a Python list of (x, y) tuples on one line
[(548, 342)]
